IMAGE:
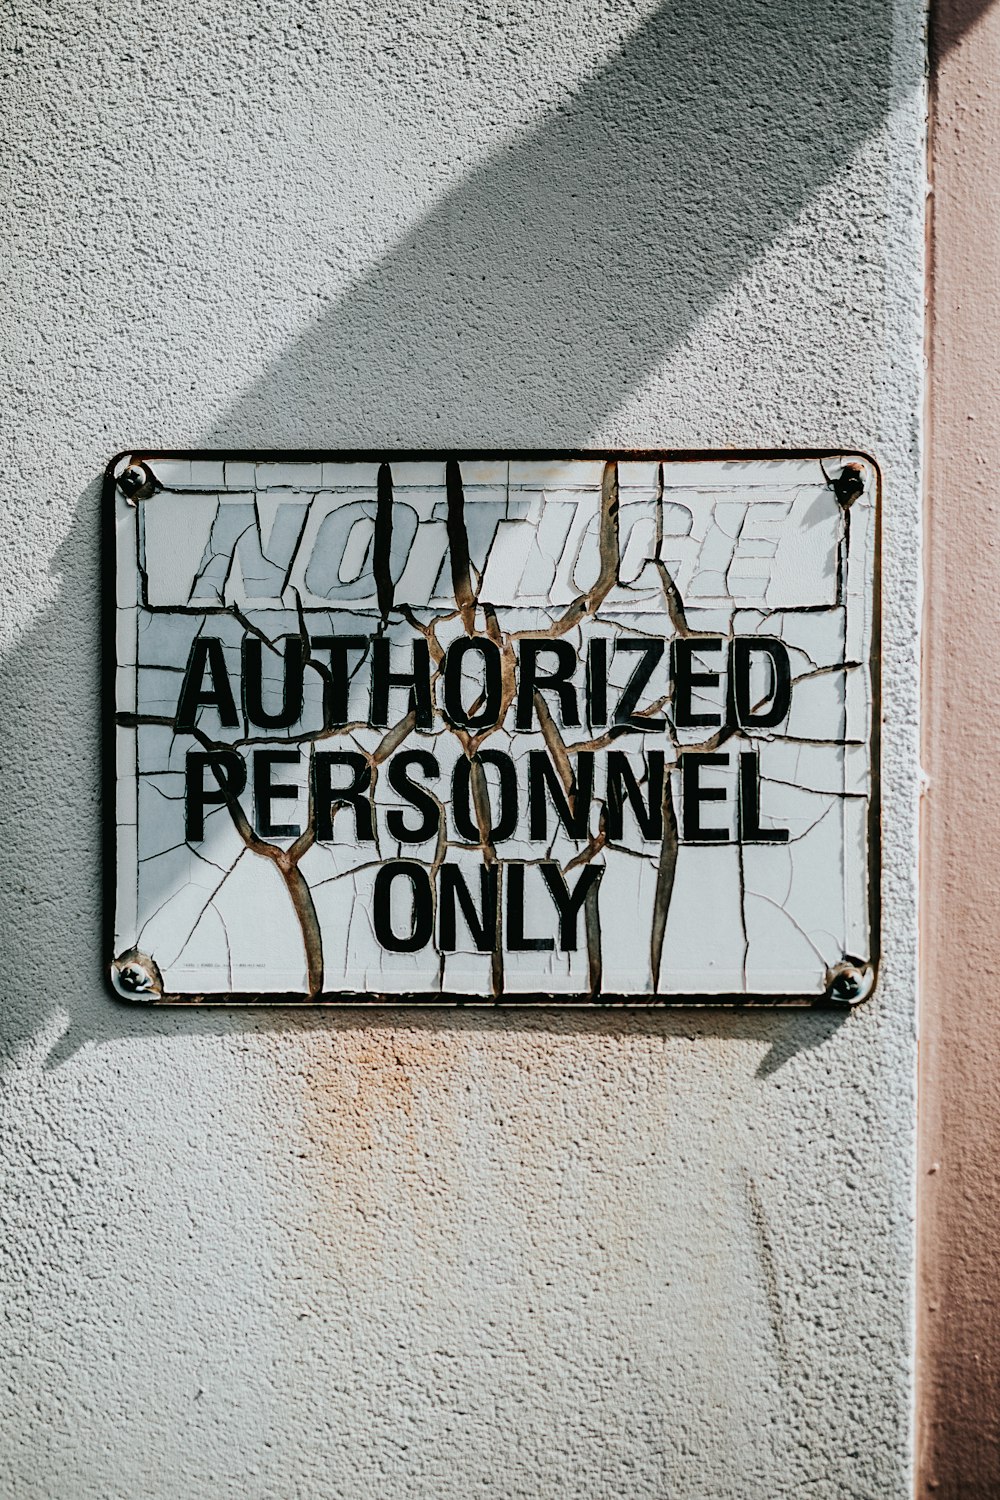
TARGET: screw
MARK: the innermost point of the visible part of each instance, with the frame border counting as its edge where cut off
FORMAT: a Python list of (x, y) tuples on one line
[(133, 479), (850, 982), (134, 978), (137, 976), (848, 485)]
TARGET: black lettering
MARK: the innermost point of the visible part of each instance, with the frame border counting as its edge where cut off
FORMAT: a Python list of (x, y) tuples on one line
[(337, 682), (382, 540), (206, 651), (741, 652), (686, 679), (570, 902), (693, 794), (482, 923), (530, 680), (597, 683), (417, 679), (230, 775), (422, 912), (469, 786), (492, 692), (749, 806), (417, 796), (573, 811), (291, 683), (264, 790), (326, 797), (624, 787), (517, 941), (652, 650)]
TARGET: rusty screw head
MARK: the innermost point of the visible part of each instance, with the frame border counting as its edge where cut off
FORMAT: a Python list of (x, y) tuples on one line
[(848, 485), (134, 978), (850, 982), (137, 976), (133, 479)]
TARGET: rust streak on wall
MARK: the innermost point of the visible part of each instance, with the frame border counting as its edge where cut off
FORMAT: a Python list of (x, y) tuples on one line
[(959, 1196)]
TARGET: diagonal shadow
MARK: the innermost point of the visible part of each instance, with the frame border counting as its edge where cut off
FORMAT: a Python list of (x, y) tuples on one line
[(523, 309), (545, 287)]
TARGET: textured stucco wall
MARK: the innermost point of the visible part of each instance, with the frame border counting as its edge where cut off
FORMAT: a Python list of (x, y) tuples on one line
[(443, 1254)]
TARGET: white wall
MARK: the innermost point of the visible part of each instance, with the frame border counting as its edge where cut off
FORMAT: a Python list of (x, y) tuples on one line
[(449, 1253)]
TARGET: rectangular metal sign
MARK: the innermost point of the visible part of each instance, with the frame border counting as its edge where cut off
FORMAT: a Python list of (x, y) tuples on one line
[(587, 728)]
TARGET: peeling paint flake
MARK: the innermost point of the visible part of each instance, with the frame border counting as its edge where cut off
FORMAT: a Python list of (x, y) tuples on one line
[(487, 728)]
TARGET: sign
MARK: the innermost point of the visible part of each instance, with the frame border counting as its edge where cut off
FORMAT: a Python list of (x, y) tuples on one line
[(486, 727)]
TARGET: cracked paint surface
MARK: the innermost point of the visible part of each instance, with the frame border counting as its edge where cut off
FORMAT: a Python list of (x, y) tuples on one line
[(298, 587)]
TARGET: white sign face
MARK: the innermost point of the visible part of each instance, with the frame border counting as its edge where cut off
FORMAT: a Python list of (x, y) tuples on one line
[(571, 729)]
